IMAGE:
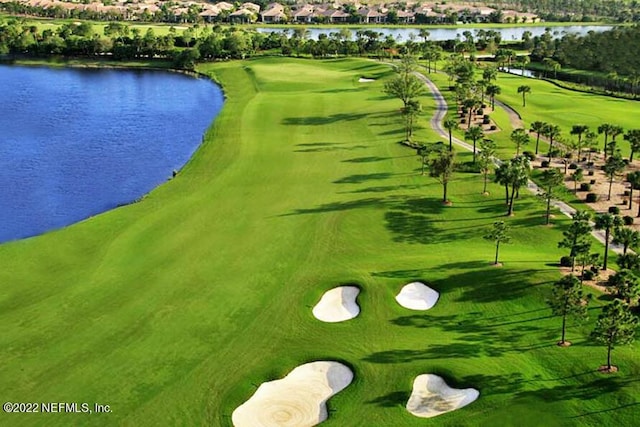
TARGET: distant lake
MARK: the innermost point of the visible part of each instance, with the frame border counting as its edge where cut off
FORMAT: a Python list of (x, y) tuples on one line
[(78, 142), (439, 34)]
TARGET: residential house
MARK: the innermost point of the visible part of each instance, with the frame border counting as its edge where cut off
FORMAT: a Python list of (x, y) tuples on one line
[(336, 16), (372, 16), (406, 17), (273, 14)]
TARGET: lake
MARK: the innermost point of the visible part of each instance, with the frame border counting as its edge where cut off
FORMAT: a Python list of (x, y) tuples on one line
[(440, 34), (78, 142)]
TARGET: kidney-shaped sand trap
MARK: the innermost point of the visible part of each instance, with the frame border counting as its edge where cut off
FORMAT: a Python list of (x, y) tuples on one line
[(417, 296), (365, 80), (338, 304), (295, 400), (431, 396)]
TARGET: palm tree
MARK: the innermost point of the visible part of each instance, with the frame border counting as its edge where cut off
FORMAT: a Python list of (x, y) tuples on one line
[(537, 127), (579, 130), (613, 132), (410, 111), (633, 178), (520, 138), (607, 222), (626, 237), (613, 168), (474, 134), (552, 132), (633, 136), (487, 150), (493, 90), (524, 89), (522, 63), (605, 129), (450, 124)]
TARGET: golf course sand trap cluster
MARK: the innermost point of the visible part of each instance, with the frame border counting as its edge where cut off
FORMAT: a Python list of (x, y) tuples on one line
[(365, 80), (295, 400), (431, 397), (417, 296), (337, 305)]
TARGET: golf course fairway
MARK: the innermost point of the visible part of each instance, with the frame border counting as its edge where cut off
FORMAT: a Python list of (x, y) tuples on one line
[(173, 310)]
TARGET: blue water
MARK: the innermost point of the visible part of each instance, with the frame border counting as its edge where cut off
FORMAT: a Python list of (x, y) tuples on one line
[(78, 142)]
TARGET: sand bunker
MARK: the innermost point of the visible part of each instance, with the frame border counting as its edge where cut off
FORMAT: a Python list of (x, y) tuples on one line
[(295, 400), (363, 80), (417, 296), (431, 396), (337, 305)]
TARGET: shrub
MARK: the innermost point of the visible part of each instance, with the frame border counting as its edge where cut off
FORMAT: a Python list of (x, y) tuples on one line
[(463, 120), (529, 154), (565, 261), (480, 112), (469, 167), (592, 182), (626, 193), (614, 210), (493, 127), (555, 152), (585, 187), (485, 117), (573, 166), (591, 173), (590, 164), (588, 275), (591, 198), (484, 105), (486, 121), (544, 164), (628, 220), (584, 159)]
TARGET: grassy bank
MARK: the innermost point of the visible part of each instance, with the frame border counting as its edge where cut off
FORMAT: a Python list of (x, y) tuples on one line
[(174, 309)]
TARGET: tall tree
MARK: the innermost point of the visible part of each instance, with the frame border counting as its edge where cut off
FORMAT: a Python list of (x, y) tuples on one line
[(524, 90), (537, 127), (633, 178), (605, 128), (474, 134), (518, 177), (520, 138), (567, 299), (492, 90), (441, 167), (423, 152), (405, 85), (577, 237), (626, 237), (490, 74), (613, 167), (607, 222), (551, 179), (633, 136), (410, 112), (616, 325), (552, 132), (579, 130), (499, 233), (613, 133), (626, 285), (470, 104), (450, 124), (487, 151)]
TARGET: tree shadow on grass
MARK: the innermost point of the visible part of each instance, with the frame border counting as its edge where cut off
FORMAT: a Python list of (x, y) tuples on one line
[(360, 178), (322, 120), (390, 400), (320, 147), (368, 159)]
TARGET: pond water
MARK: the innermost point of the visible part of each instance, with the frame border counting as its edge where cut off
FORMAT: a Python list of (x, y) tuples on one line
[(439, 34), (77, 142)]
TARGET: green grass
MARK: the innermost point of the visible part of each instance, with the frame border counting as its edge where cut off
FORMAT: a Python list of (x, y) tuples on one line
[(550, 103), (174, 309)]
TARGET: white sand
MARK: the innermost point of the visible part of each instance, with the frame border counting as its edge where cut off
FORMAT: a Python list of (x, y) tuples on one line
[(363, 80), (295, 400), (337, 305), (417, 296), (431, 396)]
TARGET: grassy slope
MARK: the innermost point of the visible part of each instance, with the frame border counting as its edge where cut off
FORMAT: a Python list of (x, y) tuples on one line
[(172, 310)]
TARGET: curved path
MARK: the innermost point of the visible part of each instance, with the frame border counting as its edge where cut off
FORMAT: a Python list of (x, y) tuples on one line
[(514, 116), (436, 124)]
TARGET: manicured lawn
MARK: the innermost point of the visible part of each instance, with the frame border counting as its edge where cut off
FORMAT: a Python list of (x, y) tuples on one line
[(566, 108), (173, 310)]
